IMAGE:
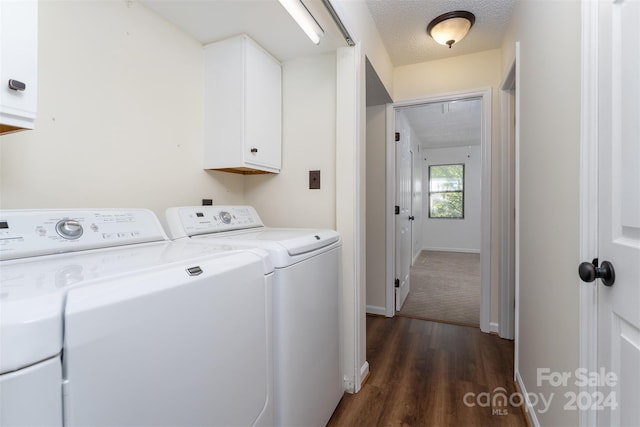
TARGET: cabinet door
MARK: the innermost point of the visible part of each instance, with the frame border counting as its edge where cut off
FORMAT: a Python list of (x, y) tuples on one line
[(18, 61), (263, 108)]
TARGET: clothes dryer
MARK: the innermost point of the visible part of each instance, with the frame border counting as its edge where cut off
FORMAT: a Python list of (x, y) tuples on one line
[(308, 383), (104, 321)]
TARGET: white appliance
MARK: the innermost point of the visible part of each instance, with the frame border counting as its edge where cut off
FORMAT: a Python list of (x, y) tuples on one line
[(104, 321), (306, 308)]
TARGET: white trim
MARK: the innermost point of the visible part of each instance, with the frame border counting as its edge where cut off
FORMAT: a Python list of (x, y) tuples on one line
[(364, 371), (516, 329), (530, 412), (390, 214), (588, 310), (449, 96), (494, 327), (348, 196), (374, 309), (415, 258), (461, 250), (359, 222), (485, 216), (507, 201)]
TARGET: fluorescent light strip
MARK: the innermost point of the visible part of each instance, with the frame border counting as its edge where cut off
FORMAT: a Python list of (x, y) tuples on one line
[(305, 20)]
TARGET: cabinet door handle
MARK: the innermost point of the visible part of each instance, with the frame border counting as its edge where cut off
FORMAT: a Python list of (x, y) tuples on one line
[(16, 85), (254, 150)]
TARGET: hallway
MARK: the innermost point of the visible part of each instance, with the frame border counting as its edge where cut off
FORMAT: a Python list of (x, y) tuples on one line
[(432, 374)]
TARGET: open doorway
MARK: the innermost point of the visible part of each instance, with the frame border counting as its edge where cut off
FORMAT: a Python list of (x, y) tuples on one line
[(468, 155), (378, 193), (444, 141)]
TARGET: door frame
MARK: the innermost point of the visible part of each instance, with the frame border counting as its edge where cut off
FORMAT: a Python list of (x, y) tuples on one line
[(509, 179), (588, 222), (485, 215)]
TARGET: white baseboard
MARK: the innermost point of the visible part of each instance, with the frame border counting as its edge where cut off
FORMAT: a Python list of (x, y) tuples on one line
[(373, 309), (364, 372), (494, 327), (463, 250), (415, 258), (530, 412), (349, 385)]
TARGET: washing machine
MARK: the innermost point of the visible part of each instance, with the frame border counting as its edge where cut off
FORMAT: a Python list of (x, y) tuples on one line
[(308, 384), (105, 321)]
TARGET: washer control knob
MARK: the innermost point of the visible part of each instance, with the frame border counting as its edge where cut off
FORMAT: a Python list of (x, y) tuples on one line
[(69, 229), (225, 217)]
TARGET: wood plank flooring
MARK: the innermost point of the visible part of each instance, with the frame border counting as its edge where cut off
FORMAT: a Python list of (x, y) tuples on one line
[(421, 371)]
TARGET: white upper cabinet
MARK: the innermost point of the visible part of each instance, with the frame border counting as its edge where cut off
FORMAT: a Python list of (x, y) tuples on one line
[(243, 107), (18, 64)]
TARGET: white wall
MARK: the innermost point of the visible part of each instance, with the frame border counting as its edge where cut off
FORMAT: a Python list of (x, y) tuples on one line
[(376, 208), (455, 235), (549, 91), (464, 73), (114, 128), (308, 143), (356, 17)]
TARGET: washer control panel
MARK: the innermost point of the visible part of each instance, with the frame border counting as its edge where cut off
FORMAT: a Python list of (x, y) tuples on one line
[(193, 220), (26, 233)]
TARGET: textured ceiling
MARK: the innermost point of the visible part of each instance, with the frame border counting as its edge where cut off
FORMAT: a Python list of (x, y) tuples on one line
[(402, 24), (447, 124)]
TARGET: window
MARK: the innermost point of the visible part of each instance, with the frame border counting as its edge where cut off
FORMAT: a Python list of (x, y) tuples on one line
[(446, 191)]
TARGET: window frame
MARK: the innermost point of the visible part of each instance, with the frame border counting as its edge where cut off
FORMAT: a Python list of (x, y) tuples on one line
[(464, 185)]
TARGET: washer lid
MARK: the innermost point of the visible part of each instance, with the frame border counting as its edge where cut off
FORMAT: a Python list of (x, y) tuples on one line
[(33, 290), (286, 246), (296, 241)]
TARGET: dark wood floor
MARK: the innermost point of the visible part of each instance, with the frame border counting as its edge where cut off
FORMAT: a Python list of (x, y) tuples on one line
[(420, 372)]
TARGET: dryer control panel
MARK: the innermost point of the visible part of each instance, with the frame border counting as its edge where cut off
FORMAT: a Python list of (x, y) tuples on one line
[(189, 221), (27, 233)]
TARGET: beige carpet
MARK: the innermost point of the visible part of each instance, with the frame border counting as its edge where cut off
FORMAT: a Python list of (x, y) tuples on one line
[(445, 287)]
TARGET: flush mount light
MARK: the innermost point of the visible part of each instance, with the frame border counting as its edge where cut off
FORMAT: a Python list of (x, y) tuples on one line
[(451, 27), (304, 18)]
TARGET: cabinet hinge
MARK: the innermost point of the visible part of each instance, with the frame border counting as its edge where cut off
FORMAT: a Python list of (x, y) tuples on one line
[(397, 136), (397, 283)]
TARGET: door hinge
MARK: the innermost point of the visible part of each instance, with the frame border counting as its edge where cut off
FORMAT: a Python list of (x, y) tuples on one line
[(397, 136), (397, 210), (397, 283)]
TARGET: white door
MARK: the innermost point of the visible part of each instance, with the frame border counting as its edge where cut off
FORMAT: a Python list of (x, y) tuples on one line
[(619, 210), (403, 212)]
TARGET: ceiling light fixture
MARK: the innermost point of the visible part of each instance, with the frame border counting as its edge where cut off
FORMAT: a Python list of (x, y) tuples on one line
[(451, 27), (304, 18)]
